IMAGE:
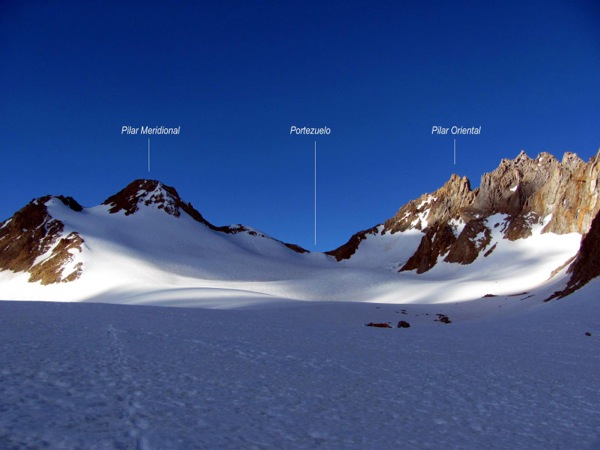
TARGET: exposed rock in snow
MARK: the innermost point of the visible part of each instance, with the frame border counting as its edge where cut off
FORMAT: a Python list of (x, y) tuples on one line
[(349, 248), (586, 265), (436, 242), (33, 241)]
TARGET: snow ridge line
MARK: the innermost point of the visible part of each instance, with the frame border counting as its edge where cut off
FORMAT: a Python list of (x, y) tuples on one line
[(124, 386)]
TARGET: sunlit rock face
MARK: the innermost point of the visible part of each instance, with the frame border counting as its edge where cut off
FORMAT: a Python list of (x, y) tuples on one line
[(457, 221)]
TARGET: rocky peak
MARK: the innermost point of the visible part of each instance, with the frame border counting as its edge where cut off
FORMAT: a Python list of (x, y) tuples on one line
[(528, 190), (437, 215), (571, 161), (152, 193), (430, 210), (147, 193), (429, 213), (571, 195)]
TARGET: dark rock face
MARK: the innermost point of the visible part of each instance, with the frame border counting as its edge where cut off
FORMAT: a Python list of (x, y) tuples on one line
[(436, 242), (28, 237), (349, 248), (586, 265), (403, 324), (474, 238), (151, 192)]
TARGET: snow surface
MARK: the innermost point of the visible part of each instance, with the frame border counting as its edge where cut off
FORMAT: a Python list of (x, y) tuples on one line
[(301, 375)]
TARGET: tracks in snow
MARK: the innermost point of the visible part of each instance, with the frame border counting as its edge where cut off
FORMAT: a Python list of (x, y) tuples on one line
[(126, 388)]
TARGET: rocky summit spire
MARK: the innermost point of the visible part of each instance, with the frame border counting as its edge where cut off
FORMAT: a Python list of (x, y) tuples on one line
[(531, 189)]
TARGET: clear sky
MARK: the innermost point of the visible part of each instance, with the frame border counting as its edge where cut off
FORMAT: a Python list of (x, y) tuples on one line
[(236, 75)]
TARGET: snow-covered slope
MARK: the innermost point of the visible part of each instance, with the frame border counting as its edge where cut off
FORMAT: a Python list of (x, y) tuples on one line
[(144, 245), (153, 245)]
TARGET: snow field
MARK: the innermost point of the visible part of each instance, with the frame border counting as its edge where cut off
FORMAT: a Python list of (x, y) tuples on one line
[(300, 375)]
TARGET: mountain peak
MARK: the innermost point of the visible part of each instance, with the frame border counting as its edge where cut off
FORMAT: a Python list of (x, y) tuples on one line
[(145, 192), (428, 212), (153, 193), (522, 156), (440, 206), (571, 161)]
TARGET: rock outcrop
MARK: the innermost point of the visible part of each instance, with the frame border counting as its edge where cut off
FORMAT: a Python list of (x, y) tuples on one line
[(152, 193), (32, 241), (430, 210), (586, 265), (528, 190), (349, 248)]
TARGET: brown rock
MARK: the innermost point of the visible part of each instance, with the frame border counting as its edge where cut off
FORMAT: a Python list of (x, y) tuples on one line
[(50, 270), (378, 325), (350, 247), (30, 234), (586, 265), (431, 210), (436, 242), (442, 318), (474, 238)]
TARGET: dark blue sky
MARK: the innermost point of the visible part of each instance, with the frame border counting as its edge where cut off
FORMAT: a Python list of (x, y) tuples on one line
[(236, 75)]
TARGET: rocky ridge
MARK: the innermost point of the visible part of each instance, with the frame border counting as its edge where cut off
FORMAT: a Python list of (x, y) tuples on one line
[(152, 193), (455, 220)]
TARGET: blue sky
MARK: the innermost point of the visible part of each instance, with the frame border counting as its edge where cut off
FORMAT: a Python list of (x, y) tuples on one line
[(236, 75)]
